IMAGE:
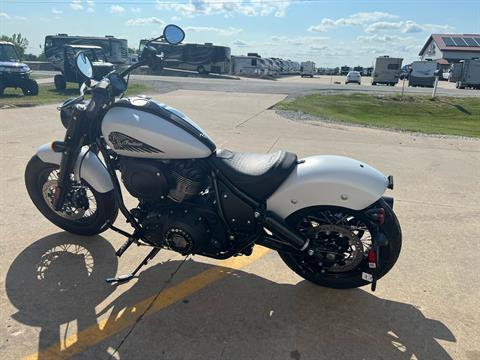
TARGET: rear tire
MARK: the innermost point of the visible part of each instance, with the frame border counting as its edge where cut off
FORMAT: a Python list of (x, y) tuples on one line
[(60, 83), (353, 278), (37, 173)]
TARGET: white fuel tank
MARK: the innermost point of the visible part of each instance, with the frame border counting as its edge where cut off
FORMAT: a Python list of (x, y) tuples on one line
[(143, 128)]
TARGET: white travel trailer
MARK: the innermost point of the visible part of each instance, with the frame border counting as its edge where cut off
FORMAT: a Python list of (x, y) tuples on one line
[(423, 73), (249, 66), (387, 70), (307, 68)]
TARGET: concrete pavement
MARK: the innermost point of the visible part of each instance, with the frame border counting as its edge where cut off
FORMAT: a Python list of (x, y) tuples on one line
[(55, 303)]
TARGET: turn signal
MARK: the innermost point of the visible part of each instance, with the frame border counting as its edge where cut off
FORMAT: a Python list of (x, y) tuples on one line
[(58, 146)]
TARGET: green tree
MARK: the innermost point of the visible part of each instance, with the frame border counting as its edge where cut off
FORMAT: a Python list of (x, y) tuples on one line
[(20, 42)]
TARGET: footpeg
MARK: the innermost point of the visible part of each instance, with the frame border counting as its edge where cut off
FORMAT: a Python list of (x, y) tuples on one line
[(120, 279)]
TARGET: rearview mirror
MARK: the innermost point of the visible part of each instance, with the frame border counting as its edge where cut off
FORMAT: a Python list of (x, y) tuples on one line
[(84, 65), (173, 34)]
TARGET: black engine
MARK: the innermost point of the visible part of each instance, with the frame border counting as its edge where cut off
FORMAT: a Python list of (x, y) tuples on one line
[(153, 180), (172, 211)]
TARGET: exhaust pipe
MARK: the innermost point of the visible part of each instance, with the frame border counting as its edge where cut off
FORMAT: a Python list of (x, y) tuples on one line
[(279, 227)]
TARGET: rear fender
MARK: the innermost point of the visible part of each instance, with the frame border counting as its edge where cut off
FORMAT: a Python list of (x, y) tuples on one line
[(328, 180), (88, 167)]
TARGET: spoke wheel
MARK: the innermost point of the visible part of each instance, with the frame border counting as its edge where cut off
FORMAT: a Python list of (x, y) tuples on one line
[(340, 240), (80, 201), (85, 211)]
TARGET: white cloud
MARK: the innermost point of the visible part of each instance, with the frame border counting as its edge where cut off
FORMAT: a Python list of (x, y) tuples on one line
[(55, 11), (90, 10), (385, 38), (175, 18), (228, 8), (358, 19), (223, 32), (406, 27), (5, 16), (117, 9), (240, 43), (90, 3), (297, 41), (76, 5), (438, 28), (145, 21), (136, 10)]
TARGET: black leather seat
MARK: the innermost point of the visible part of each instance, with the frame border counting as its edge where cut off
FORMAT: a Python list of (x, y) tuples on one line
[(258, 175)]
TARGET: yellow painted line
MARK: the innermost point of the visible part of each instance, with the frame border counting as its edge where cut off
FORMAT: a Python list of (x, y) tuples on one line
[(117, 321)]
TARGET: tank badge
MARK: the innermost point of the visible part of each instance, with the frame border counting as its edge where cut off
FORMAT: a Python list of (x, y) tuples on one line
[(124, 142)]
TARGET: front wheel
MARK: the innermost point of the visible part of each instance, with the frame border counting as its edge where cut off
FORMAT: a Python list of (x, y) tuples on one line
[(341, 239), (30, 88), (85, 212)]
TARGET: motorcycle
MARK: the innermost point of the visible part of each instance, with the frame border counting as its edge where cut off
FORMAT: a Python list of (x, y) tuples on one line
[(326, 216)]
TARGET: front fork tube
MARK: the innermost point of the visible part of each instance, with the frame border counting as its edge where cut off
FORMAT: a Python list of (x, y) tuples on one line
[(70, 149)]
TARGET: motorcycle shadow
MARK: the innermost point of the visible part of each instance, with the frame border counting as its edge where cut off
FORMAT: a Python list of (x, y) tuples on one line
[(240, 316)]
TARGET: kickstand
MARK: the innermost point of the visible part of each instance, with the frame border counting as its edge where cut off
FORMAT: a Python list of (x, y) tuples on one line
[(127, 277)]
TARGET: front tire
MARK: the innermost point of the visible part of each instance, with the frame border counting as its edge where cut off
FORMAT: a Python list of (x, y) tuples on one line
[(353, 277), (90, 219), (30, 88)]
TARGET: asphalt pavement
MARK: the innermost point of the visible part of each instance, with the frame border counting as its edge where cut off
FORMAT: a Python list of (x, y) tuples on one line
[(289, 85), (55, 304)]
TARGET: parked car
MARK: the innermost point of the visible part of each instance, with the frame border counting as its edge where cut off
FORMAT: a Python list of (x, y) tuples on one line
[(13, 73), (353, 77)]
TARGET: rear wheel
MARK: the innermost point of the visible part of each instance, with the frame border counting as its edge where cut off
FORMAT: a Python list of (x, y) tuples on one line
[(60, 83), (341, 239), (86, 211)]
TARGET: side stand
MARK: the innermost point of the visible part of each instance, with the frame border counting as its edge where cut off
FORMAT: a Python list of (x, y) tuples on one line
[(127, 277)]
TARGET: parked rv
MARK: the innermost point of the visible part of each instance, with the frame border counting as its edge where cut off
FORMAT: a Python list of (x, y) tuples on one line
[(69, 72), (203, 58), (249, 66), (422, 74), (344, 70), (470, 75), (455, 72), (115, 50), (359, 69), (13, 73), (387, 70), (307, 68)]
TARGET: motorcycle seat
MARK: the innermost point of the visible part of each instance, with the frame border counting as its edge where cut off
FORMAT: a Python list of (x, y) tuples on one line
[(258, 175)]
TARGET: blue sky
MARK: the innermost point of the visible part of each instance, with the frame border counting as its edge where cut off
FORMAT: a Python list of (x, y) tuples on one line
[(331, 33)]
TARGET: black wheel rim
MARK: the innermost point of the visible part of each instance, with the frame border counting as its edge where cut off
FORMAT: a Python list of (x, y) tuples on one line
[(339, 239)]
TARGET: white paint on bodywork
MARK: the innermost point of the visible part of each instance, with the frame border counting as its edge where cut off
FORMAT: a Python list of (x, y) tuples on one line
[(328, 180), (92, 171), (155, 131)]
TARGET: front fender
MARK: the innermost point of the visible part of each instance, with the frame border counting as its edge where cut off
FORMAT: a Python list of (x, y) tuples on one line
[(92, 169), (328, 180)]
